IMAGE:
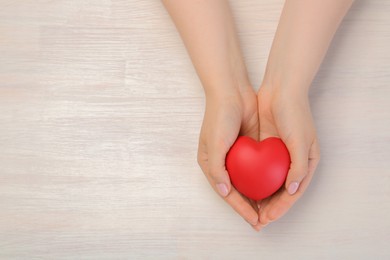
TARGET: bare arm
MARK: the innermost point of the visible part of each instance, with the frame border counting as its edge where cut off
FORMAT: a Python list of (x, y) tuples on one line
[(305, 30), (209, 35), (208, 32)]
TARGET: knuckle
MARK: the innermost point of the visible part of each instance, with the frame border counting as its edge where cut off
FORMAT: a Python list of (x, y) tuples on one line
[(299, 169), (213, 172), (220, 144), (271, 216)]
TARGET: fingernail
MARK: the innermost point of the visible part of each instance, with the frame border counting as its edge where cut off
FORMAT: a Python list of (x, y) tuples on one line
[(293, 187), (223, 189)]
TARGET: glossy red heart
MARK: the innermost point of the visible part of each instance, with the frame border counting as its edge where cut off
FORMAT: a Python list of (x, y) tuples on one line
[(258, 169)]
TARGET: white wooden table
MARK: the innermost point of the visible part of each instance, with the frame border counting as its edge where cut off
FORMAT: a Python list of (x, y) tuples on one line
[(100, 111)]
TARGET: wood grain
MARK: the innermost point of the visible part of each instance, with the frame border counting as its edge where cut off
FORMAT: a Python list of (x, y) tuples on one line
[(100, 110)]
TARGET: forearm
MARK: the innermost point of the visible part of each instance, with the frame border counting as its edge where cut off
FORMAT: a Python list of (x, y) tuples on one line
[(208, 32), (305, 30)]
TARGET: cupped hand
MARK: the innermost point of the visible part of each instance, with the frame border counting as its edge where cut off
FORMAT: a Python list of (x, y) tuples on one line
[(228, 115), (287, 115)]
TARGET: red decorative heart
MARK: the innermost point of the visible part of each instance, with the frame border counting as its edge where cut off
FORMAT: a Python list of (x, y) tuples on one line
[(258, 169)]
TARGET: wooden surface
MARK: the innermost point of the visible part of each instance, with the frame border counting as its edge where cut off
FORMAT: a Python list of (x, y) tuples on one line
[(100, 111)]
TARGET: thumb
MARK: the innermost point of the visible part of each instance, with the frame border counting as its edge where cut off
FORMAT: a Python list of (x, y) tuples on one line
[(299, 167), (217, 170)]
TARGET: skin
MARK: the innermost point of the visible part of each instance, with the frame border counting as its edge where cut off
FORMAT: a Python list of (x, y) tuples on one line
[(304, 33), (281, 107), (231, 102)]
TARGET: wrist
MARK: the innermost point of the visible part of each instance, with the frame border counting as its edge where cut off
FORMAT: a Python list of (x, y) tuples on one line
[(287, 88), (228, 76), (282, 95), (228, 88), (291, 80)]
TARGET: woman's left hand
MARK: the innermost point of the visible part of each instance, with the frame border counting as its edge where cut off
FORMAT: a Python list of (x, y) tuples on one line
[(287, 115)]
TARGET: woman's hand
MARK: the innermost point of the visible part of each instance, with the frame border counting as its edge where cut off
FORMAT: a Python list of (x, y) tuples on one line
[(208, 32), (227, 115), (287, 115), (304, 33)]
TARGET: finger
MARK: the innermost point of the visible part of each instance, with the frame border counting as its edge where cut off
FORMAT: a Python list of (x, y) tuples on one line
[(281, 202), (217, 150), (259, 226), (267, 205), (254, 205), (238, 202), (213, 176), (276, 206), (299, 165), (260, 204), (242, 206)]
